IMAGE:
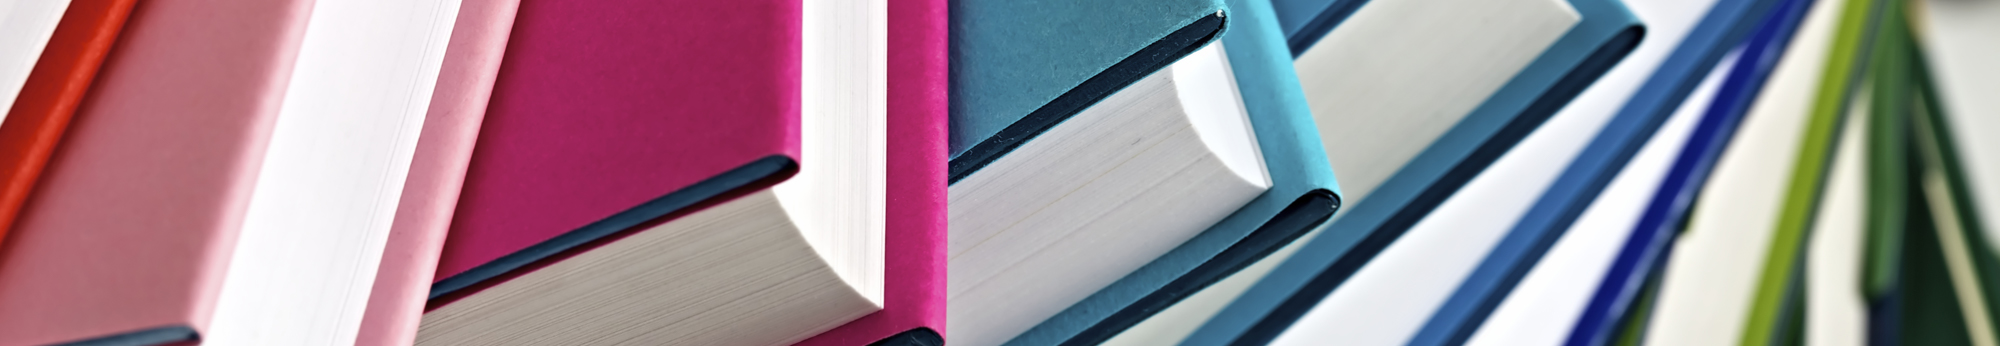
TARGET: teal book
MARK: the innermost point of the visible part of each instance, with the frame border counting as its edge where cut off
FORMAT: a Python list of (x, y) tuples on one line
[(1303, 194)]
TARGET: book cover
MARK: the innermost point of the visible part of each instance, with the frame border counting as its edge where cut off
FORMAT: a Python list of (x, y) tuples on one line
[(129, 233), (1605, 34), (1020, 68), (576, 146), (51, 95), (1303, 195), (430, 193), (913, 310)]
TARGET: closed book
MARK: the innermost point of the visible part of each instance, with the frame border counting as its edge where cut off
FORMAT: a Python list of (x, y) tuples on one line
[(1303, 195), (437, 171), (913, 304), (51, 95), (228, 181), (683, 172), (1505, 77), (1088, 140)]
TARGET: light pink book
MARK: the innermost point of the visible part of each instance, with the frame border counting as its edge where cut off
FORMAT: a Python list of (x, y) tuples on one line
[(913, 298), (128, 236), (430, 193)]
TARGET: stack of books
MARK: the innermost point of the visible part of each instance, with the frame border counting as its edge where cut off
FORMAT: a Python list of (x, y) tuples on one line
[(985, 173)]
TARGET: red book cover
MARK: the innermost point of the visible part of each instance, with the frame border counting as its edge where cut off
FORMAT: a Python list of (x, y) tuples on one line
[(913, 306), (130, 229), (49, 98), (430, 193), (612, 115)]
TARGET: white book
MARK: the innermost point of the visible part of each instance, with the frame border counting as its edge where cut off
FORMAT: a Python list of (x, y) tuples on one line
[(25, 27), (1551, 297), (1382, 86), (326, 193), (1705, 294), (1138, 173)]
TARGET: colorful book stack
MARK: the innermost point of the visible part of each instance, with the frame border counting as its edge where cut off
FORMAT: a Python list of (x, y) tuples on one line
[(1018, 173)]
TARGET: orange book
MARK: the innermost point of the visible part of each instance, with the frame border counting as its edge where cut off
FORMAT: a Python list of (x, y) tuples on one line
[(50, 97)]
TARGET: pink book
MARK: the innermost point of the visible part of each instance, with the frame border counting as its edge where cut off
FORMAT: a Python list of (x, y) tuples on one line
[(127, 237), (913, 307), (430, 193), (609, 115)]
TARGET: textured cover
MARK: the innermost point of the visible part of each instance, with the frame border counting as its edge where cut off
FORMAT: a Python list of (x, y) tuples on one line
[(51, 95), (1303, 195), (1021, 67), (134, 220), (430, 192), (913, 296), (609, 115), (1644, 251), (1725, 26), (1607, 32)]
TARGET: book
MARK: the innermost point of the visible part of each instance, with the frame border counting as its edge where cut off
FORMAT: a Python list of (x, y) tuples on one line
[(913, 304), (50, 97), (1160, 143), (1647, 237), (606, 188), (228, 181), (1391, 297), (26, 26), (1171, 155), (1503, 83), (1732, 219), (1725, 25), (437, 171), (1303, 194)]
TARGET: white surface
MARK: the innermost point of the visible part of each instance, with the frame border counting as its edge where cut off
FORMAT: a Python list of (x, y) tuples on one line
[(1962, 40), (25, 27), (1087, 202), (1837, 312), (326, 194), (1395, 294), (1384, 85), (1705, 295), (1548, 301)]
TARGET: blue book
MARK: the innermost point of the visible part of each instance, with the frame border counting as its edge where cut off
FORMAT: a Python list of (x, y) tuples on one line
[(1602, 35), (1645, 250), (1019, 68), (1303, 195), (1726, 24)]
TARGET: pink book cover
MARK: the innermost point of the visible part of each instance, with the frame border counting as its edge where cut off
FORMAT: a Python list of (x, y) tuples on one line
[(612, 115), (913, 302), (430, 193), (129, 233)]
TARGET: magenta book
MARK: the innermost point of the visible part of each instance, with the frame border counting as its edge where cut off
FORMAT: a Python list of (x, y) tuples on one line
[(679, 172)]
